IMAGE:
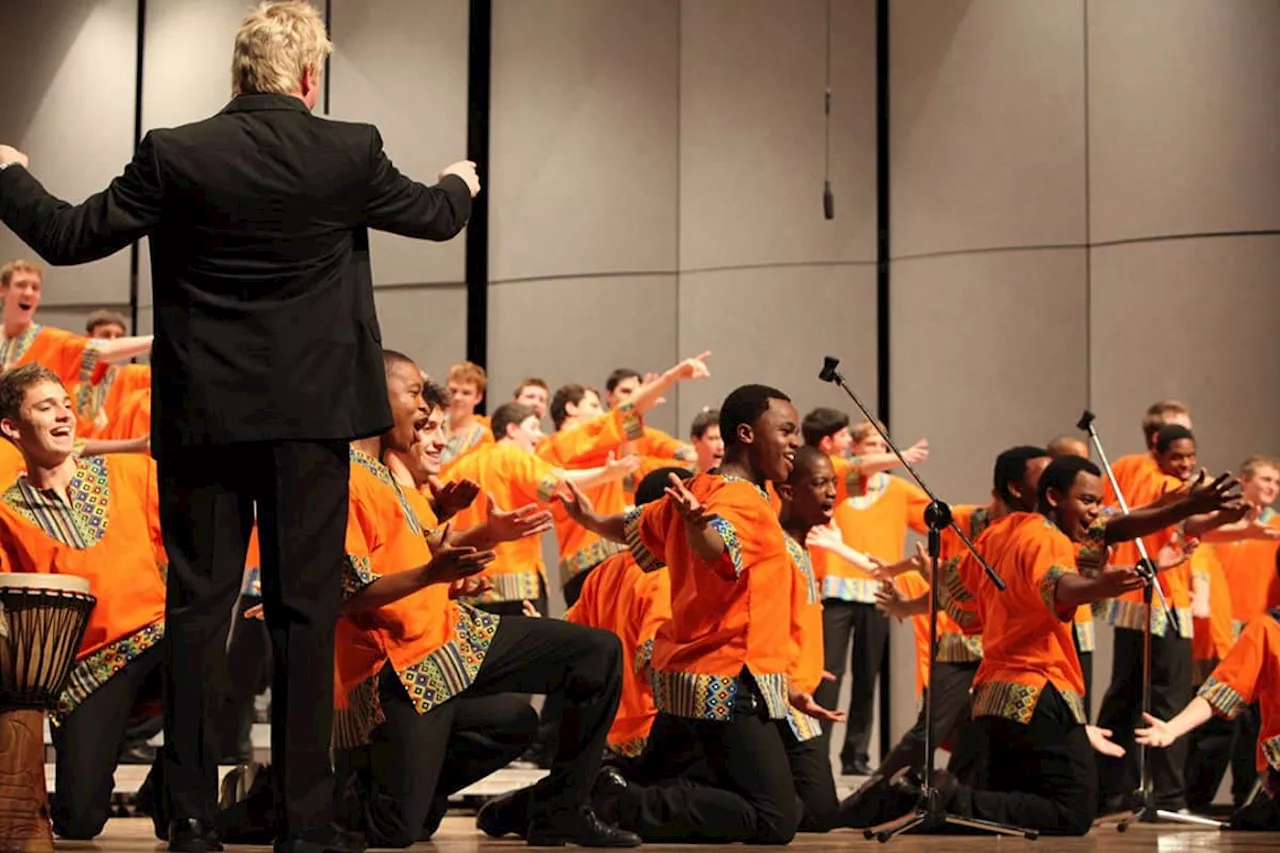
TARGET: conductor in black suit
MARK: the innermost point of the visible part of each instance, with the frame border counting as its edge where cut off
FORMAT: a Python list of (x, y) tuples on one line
[(267, 362)]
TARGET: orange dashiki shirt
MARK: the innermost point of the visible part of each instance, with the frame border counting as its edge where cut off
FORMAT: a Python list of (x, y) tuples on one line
[(1251, 672), (107, 530), (1027, 637), (727, 617)]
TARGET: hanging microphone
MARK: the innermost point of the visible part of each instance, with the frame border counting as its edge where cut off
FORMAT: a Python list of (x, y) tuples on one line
[(828, 373), (828, 201)]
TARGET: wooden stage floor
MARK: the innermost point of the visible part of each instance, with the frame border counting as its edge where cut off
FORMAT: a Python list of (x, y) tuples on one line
[(459, 835)]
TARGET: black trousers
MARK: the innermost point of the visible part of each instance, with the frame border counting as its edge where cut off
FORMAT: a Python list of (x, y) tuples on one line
[(417, 760), (207, 499), (815, 786), (1121, 712), (726, 782), (1086, 668), (951, 703), (88, 744), (869, 630), (1217, 745), (1040, 775), (573, 589), (1262, 814)]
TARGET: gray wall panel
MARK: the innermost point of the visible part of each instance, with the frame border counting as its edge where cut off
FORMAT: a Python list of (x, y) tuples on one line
[(987, 124), (584, 138), (402, 65), (1182, 117), (426, 323), (753, 138), (69, 105)]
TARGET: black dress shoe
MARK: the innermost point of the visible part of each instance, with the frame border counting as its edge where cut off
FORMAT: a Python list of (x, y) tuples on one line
[(505, 815), (336, 841), (580, 827), (193, 836), (856, 767), (610, 784)]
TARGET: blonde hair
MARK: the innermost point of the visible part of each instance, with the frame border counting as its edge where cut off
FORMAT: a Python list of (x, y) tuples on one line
[(468, 373), (16, 266), (1251, 465), (1158, 415), (275, 44), (863, 430)]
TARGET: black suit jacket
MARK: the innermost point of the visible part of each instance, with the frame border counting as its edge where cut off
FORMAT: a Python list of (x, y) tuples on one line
[(265, 328)]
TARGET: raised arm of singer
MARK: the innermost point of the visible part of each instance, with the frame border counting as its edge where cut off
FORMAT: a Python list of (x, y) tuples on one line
[(267, 362)]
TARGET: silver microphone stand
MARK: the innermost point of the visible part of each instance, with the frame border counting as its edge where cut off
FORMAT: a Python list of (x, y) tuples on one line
[(929, 815), (1146, 812)]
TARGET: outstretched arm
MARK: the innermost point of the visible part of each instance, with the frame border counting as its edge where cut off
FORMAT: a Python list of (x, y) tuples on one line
[(1198, 498), (1158, 733), (65, 234)]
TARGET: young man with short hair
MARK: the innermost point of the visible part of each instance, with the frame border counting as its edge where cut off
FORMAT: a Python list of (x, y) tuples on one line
[(466, 383), (704, 434), (534, 393)]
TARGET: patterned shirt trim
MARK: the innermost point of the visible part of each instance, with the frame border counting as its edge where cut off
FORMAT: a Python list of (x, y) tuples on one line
[(1237, 627), (953, 596), (461, 442), (629, 748), (1271, 751), (383, 474), (13, 349), (452, 668), (732, 546), (353, 725), (860, 590), (547, 485), (1049, 587), (644, 558), (711, 697), (1223, 697), (1086, 637), (90, 397), (588, 558), (632, 422), (252, 586), (516, 586), (357, 573), (876, 485), (959, 648), (95, 670), (802, 725), (804, 565), (1017, 702), (644, 656), (78, 520), (1132, 615)]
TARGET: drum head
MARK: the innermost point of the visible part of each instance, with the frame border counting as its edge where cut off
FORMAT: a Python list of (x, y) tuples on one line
[(28, 580)]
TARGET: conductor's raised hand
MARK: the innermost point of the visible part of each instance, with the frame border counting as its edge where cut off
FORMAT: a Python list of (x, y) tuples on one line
[(689, 507), (9, 154), (465, 169)]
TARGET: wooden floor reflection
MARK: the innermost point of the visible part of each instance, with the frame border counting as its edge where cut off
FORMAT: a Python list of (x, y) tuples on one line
[(458, 835)]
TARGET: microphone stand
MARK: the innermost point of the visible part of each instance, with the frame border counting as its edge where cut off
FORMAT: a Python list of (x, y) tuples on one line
[(930, 815), (1146, 812)]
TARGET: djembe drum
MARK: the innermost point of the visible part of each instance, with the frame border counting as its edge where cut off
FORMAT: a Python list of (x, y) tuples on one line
[(42, 621)]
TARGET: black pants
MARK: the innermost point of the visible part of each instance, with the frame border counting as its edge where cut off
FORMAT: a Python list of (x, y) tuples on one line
[(207, 498), (1244, 754), (573, 588), (1040, 775), (951, 703), (417, 760), (1086, 668), (1262, 814), (1121, 712), (741, 788), (248, 673), (815, 786), (870, 632), (88, 744)]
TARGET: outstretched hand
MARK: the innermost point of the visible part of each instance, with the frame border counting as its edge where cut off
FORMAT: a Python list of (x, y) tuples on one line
[(1100, 740), (1222, 493), (469, 587), (1155, 734), (689, 507), (576, 504), (455, 562), (527, 520), (452, 498), (806, 704)]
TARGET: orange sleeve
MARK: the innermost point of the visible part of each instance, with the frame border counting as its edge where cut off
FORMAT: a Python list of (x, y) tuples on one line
[(589, 444), (658, 445), (69, 355), (917, 503), (153, 515), (736, 515), (531, 478), (361, 541), (1234, 682), (646, 530), (956, 592), (1050, 557)]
